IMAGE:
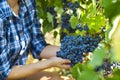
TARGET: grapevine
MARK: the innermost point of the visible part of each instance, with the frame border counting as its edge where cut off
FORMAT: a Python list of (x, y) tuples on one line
[(83, 27)]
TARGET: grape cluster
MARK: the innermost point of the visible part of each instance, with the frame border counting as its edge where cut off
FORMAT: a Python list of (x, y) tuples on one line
[(69, 5), (73, 47), (65, 18), (65, 24), (108, 67), (105, 67), (73, 6), (115, 65)]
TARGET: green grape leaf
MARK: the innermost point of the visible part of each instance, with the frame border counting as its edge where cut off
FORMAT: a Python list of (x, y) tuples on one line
[(83, 72), (74, 21), (95, 22), (82, 33), (57, 3), (59, 10), (47, 26), (76, 70), (88, 75), (50, 17), (112, 8), (98, 56), (41, 13)]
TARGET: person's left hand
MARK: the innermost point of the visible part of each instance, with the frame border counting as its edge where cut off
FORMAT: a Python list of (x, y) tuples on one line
[(59, 62)]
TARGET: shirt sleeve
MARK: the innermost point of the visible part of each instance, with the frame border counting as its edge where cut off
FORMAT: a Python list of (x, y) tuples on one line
[(5, 67), (38, 42)]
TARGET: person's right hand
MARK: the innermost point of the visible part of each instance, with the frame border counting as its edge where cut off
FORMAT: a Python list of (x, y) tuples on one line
[(59, 62)]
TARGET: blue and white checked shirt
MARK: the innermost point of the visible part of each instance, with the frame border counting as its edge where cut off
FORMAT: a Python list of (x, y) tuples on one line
[(18, 35)]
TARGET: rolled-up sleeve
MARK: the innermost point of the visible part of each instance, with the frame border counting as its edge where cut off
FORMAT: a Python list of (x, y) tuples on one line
[(5, 67), (38, 42)]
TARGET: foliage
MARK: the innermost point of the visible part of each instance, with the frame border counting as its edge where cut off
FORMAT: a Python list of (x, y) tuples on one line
[(97, 14), (111, 8)]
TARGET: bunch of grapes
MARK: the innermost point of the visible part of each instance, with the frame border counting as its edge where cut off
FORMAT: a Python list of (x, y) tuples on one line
[(73, 47), (108, 67), (65, 24), (65, 18), (69, 5)]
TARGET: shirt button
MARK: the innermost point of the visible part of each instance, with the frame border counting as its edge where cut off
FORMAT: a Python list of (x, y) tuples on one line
[(23, 44)]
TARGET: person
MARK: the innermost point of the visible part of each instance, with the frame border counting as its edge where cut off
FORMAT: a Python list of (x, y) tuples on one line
[(19, 35)]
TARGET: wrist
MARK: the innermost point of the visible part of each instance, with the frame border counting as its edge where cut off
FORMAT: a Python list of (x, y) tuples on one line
[(44, 65)]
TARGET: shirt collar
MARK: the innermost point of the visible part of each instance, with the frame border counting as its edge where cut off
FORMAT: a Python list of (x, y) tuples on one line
[(5, 9)]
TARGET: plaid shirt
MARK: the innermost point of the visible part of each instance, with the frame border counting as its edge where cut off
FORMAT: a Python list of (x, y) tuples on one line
[(18, 35)]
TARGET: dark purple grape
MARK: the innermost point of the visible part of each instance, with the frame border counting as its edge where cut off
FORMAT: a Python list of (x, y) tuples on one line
[(73, 47)]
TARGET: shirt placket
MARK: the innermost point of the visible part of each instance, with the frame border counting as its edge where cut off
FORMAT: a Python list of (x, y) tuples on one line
[(22, 38)]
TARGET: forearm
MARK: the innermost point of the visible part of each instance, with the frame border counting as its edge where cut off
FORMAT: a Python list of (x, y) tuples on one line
[(19, 72), (49, 51)]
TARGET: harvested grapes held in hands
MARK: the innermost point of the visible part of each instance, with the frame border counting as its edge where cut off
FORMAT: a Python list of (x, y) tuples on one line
[(73, 47)]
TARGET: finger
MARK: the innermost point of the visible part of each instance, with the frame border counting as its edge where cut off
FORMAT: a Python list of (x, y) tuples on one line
[(66, 61), (66, 66)]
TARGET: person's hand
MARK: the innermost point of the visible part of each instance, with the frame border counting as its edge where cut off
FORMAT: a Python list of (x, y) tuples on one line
[(59, 62)]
